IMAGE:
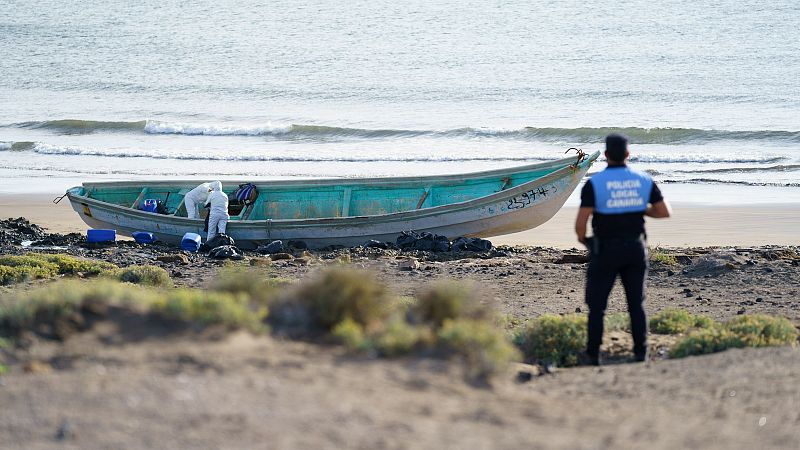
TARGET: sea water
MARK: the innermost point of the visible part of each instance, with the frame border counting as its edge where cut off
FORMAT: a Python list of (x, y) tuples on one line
[(708, 91)]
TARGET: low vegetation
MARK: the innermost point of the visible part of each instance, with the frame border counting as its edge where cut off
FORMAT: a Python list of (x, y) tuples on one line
[(211, 308), (553, 339), (339, 294), (254, 283), (678, 321), (146, 275), (756, 330), (660, 256), (617, 322), (65, 303), (20, 268), (484, 347), (349, 308), (448, 301)]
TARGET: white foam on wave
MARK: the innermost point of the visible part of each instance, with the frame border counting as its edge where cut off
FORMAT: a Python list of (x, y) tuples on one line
[(706, 159), (194, 129), (5, 146)]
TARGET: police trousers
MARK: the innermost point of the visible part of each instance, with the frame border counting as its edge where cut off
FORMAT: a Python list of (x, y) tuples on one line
[(628, 259)]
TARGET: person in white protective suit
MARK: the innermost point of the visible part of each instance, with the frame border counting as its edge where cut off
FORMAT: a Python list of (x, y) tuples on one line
[(197, 196), (218, 214)]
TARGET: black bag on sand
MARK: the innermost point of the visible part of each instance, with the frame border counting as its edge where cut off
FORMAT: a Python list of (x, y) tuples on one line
[(464, 244), (217, 241), (427, 242), (271, 248), (372, 243), (226, 252), (297, 245)]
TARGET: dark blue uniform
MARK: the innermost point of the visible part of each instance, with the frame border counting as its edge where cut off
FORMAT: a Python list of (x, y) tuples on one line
[(619, 197)]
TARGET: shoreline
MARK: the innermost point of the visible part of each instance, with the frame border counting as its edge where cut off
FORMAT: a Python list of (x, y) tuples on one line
[(692, 224)]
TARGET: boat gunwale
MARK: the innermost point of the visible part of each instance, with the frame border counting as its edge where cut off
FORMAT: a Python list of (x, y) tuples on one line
[(354, 220), (383, 181)]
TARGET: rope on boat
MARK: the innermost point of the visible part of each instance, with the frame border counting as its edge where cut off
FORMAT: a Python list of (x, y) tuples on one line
[(581, 155), (58, 199)]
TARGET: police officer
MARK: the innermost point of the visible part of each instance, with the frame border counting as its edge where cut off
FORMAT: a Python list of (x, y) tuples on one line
[(617, 199)]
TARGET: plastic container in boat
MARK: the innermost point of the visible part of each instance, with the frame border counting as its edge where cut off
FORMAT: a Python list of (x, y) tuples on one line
[(150, 205), (143, 237), (191, 242), (93, 236)]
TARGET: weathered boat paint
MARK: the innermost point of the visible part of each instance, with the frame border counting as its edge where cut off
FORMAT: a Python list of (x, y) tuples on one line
[(421, 204)]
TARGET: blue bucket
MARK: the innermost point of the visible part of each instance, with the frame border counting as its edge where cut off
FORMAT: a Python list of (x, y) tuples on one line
[(191, 242), (93, 236), (143, 237)]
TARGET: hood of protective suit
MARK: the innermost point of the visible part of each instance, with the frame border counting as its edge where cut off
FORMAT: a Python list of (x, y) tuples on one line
[(216, 186)]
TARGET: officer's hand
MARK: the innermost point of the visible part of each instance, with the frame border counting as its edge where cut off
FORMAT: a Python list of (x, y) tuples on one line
[(582, 239)]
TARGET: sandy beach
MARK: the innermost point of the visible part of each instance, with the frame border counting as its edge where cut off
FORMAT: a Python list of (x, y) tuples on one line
[(692, 225)]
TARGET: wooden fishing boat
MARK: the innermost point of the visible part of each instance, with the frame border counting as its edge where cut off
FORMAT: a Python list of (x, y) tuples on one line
[(349, 212)]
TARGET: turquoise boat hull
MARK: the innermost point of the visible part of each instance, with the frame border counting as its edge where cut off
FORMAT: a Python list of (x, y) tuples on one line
[(349, 212)]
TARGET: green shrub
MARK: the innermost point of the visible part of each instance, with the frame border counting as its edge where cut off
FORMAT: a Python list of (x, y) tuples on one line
[(705, 340), (677, 321), (15, 269), (554, 339), (70, 265), (3, 369), (660, 256), (338, 294), (351, 335), (760, 330), (447, 301), (146, 275), (483, 347), (617, 322), (61, 299), (756, 330), (401, 338), (29, 260), (18, 274), (254, 283), (208, 307)]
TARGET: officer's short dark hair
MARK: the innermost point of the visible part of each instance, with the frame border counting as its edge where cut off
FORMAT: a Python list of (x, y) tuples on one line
[(616, 147)]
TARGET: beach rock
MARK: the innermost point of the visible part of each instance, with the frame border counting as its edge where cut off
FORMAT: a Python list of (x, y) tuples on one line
[(573, 258), (176, 258), (302, 261), (524, 376), (281, 256), (715, 264), (260, 262), (408, 264)]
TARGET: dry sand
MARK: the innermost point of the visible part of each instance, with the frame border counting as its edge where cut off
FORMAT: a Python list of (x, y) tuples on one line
[(692, 224)]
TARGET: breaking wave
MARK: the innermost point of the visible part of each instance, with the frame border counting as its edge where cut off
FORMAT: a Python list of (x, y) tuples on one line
[(308, 131), (48, 149), (733, 182)]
